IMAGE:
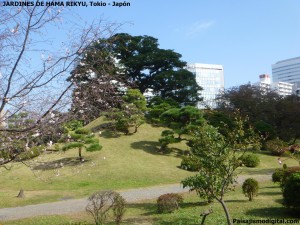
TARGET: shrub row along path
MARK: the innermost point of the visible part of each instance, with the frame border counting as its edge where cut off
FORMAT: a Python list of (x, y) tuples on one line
[(78, 205)]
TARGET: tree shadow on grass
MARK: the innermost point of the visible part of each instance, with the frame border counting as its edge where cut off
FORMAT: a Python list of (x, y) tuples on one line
[(56, 164), (153, 147), (109, 134), (269, 212)]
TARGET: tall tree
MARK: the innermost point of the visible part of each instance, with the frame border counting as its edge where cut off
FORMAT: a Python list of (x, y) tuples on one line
[(149, 66)]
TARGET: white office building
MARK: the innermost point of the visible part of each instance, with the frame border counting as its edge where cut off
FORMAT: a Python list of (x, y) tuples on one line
[(211, 78), (282, 88), (287, 71)]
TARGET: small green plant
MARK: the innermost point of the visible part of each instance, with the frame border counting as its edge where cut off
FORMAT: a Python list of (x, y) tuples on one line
[(250, 160), (168, 202), (250, 188)]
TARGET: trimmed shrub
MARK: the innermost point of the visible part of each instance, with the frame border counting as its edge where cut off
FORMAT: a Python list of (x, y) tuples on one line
[(168, 202), (250, 188), (250, 160), (291, 193), (276, 146), (190, 163)]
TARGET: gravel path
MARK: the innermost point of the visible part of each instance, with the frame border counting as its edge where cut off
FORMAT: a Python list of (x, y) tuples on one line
[(78, 205)]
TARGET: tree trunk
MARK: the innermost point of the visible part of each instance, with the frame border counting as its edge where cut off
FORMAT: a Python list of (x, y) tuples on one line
[(21, 194), (226, 211), (79, 153)]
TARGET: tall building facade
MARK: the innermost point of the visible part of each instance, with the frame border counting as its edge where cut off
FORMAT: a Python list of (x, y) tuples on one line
[(211, 78), (287, 71), (282, 88)]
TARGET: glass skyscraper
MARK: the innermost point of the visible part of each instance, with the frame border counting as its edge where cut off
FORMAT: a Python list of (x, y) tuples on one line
[(211, 78), (287, 71)]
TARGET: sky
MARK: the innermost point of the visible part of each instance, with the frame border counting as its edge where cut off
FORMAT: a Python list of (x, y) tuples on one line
[(245, 36)]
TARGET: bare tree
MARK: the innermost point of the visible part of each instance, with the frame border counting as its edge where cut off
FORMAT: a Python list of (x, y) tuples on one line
[(35, 63)]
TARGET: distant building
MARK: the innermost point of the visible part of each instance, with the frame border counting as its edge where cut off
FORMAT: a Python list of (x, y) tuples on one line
[(287, 71), (282, 88), (211, 78)]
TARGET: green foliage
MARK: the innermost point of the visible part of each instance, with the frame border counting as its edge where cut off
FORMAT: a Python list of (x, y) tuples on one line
[(31, 153), (94, 147), (168, 203), (190, 163), (72, 145), (281, 175), (277, 176), (250, 188), (250, 160), (131, 113), (151, 67), (291, 193), (276, 146), (182, 121), (82, 131), (82, 138), (157, 106), (219, 157), (74, 125)]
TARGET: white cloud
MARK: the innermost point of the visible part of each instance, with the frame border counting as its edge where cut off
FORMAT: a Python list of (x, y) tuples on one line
[(197, 27)]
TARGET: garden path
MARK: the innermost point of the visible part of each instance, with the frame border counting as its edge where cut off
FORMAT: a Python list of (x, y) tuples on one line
[(78, 205)]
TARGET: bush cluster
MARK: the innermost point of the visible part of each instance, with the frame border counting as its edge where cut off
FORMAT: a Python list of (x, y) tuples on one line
[(291, 193), (190, 163), (281, 175), (276, 146), (250, 160), (168, 202)]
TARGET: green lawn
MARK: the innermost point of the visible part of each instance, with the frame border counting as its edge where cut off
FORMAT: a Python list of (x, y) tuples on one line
[(124, 162), (267, 205)]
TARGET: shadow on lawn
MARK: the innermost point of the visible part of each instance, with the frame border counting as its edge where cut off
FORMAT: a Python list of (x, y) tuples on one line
[(269, 212), (153, 147), (56, 164)]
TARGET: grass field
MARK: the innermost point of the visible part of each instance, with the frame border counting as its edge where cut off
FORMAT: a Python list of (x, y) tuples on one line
[(124, 162), (267, 205), (128, 162)]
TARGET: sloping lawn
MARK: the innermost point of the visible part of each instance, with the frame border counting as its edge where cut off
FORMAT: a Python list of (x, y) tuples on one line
[(124, 162)]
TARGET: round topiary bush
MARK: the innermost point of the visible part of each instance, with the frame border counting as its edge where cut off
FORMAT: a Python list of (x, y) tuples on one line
[(168, 202), (250, 160), (250, 188), (291, 193)]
